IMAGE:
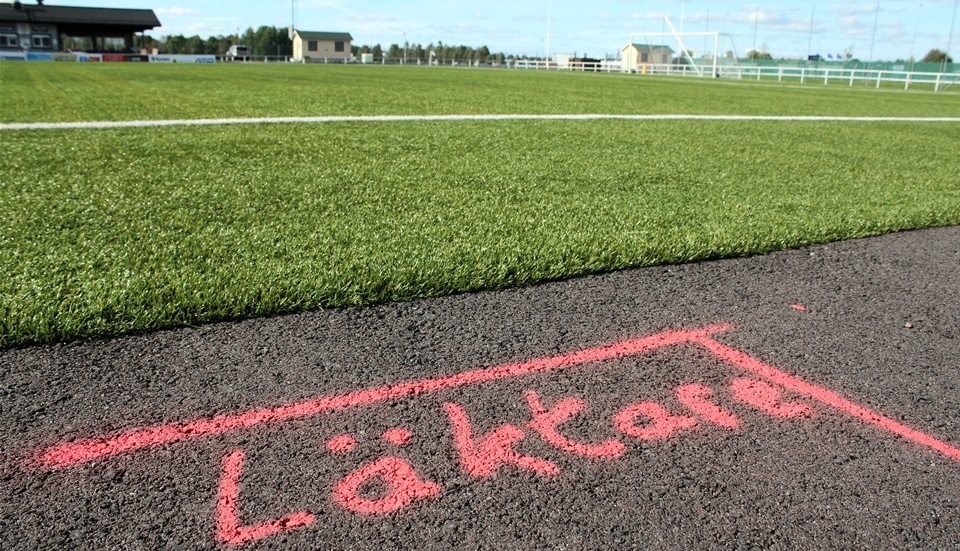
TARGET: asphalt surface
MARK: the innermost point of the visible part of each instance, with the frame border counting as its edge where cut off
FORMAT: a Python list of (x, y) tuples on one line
[(804, 399)]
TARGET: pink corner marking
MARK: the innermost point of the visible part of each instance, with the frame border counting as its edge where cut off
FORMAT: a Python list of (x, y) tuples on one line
[(77, 452), (229, 529), (826, 397), (695, 398), (83, 451), (767, 398), (546, 423), (799, 307)]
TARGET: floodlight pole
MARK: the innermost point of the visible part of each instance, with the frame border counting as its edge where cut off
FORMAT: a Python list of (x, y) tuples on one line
[(293, 17), (913, 41), (873, 39), (549, 21), (953, 23)]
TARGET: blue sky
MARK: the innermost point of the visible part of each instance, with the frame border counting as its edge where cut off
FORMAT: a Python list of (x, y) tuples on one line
[(596, 28)]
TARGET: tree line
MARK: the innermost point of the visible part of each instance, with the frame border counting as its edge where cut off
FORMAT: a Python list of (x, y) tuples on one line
[(439, 52), (275, 41)]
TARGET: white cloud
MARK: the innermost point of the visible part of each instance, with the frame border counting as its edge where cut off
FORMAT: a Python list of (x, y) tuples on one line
[(853, 9), (174, 11), (854, 26)]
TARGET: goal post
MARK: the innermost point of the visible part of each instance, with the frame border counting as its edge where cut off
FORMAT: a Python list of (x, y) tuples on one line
[(649, 50)]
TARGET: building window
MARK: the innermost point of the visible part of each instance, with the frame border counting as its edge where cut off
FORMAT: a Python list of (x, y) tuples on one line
[(644, 57), (312, 46), (9, 41), (42, 41), (338, 46)]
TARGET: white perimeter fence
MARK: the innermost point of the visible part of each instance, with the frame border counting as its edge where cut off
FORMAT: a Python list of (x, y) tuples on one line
[(940, 81), (706, 68), (825, 75)]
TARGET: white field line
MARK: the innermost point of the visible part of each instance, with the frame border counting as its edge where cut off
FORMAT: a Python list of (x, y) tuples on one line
[(96, 125)]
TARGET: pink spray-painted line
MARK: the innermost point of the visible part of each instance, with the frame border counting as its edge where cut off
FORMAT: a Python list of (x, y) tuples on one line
[(825, 396), (83, 451)]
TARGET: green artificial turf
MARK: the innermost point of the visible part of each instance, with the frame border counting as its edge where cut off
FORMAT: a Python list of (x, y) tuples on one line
[(105, 232), (54, 92)]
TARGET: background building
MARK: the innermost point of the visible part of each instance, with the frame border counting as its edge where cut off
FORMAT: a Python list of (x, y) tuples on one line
[(636, 56), (321, 46)]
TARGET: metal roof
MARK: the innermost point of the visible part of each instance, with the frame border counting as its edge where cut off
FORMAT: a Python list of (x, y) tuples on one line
[(140, 20), (649, 47), (325, 36)]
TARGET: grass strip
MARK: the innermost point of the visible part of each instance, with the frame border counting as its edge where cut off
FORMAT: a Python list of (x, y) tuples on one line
[(112, 231), (69, 92)]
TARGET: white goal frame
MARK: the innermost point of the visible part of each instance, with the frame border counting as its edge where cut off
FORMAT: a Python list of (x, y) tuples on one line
[(684, 51)]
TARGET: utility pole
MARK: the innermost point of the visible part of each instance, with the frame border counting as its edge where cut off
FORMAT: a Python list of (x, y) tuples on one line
[(293, 17), (953, 23), (549, 20), (913, 41), (876, 19)]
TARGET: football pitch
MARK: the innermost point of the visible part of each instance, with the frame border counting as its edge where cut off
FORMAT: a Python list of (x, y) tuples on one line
[(107, 231)]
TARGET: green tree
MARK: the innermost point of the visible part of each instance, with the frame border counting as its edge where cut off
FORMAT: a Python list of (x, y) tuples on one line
[(272, 41), (211, 45), (755, 54), (249, 39), (144, 43), (395, 52), (218, 45), (173, 44), (936, 55), (194, 45)]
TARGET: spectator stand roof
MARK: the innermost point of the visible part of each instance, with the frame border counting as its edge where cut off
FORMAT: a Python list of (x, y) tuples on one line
[(76, 21)]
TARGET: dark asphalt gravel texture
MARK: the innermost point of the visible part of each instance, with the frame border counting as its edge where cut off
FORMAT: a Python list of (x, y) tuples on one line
[(655, 449)]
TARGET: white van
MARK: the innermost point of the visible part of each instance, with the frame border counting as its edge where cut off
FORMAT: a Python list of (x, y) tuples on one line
[(238, 51)]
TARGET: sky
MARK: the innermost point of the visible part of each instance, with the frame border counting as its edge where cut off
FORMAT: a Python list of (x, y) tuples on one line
[(868, 29)]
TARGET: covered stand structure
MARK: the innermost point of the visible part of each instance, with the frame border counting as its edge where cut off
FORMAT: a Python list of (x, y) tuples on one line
[(40, 28)]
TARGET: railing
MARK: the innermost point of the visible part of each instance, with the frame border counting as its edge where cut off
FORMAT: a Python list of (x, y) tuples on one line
[(829, 74), (825, 75), (851, 77), (602, 66)]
